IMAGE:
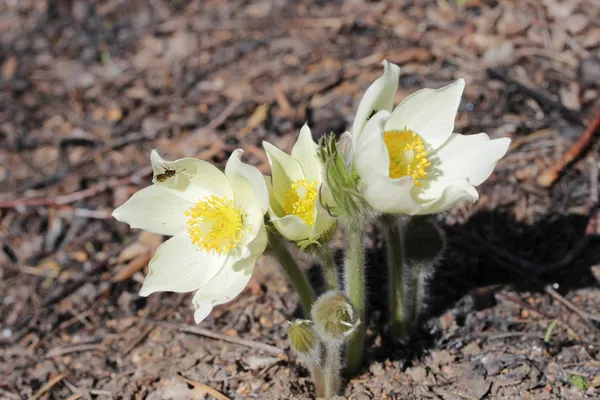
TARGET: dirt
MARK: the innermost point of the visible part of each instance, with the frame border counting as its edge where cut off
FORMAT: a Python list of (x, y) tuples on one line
[(89, 88)]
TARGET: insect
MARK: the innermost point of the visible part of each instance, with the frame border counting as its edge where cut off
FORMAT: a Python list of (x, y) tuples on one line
[(169, 173)]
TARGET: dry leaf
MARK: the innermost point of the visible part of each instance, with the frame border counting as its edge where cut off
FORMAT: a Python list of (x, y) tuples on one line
[(257, 118)]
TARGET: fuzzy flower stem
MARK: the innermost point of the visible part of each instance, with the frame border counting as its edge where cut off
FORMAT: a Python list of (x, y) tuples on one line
[(316, 373), (331, 371), (396, 277), (355, 290), (299, 280), (325, 255)]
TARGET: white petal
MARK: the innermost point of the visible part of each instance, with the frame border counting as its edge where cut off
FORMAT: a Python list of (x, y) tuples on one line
[(443, 194), (285, 170), (155, 209), (323, 221), (379, 96), (345, 148), (194, 179), (473, 157), (247, 182), (180, 266), (370, 153), (305, 152), (390, 195), (229, 282), (292, 227), (429, 113)]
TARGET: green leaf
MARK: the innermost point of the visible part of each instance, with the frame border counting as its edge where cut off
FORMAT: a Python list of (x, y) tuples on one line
[(579, 382)]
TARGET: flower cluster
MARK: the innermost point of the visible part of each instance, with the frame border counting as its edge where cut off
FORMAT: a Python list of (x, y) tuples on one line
[(397, 161)]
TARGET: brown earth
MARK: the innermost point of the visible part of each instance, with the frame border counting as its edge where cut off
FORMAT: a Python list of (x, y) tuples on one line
[(89, 88)]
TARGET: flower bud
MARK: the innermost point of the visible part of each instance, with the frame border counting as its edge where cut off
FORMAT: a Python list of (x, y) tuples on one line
[(303, 337), (339, 193), (334, 317)]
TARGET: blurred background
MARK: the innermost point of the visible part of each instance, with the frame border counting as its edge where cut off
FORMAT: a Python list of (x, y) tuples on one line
[(88, 88)]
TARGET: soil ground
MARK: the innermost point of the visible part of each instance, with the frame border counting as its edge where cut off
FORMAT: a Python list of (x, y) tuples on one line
[(88, 88)]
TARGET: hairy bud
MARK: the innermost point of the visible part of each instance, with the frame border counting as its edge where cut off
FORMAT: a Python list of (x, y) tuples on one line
[(334, 317)]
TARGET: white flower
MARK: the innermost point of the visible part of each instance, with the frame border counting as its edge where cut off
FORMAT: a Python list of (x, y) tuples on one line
[(217, 223), (294, 191), (409, 160)]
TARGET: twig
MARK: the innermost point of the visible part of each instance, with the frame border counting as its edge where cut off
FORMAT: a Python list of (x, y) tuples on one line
[(48, 386), (76, 196), (74, 349), (221, 118), (583, 314), (568, 114), (509, 335), (548, 177), (218, 336)]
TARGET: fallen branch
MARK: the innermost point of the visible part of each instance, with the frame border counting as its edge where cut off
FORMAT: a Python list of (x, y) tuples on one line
[(549, 176), (568, 114), (218, 336)]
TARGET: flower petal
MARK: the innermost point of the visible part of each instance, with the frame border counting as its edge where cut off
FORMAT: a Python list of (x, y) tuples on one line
[(370, 153), (285, 170), (390, 195), (379, 96), (247, 182), (443, 194), (473, 157), (180, 266), (155, 209), (429, 113), (194, 179), (323, 221), (229, 282), (292, 227), (305, 152)]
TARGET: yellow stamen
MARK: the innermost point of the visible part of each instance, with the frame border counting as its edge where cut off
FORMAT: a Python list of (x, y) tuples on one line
[(408, 156), (300, 200), (215, 224)]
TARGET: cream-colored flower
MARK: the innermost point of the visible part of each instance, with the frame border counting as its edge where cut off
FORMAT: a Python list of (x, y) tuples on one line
[(409, 160), (295, 208), (217, 223)]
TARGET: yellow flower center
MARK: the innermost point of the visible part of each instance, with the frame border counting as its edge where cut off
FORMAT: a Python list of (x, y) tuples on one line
[(300, 200), (408, 156), (215, 224)]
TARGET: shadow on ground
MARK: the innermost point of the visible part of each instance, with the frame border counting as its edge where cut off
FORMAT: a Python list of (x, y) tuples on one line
[(490, 252)]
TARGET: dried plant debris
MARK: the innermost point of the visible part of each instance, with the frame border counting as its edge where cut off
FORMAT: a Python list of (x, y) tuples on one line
[(88, 89)]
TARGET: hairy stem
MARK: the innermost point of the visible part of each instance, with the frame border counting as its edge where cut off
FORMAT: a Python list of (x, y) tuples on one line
[(299, 280), (325, 255), (331, 371), (317, 377), (396, 278), (355, 288)]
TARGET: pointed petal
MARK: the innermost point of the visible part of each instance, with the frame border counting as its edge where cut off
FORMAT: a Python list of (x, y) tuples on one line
[(194, 179), (292, 227), (285, 170), (443, 194), (429, 113), (155, 209), (345, 148), (473, 157), (323, 221), (390, 195), (247, 182), (379, 96), (229, 282), (180, 266), (370, 153), (305, 152)]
